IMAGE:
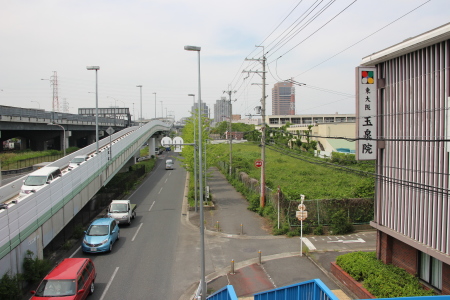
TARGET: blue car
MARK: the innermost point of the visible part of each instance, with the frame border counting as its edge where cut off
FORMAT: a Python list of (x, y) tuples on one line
[(100, 236)]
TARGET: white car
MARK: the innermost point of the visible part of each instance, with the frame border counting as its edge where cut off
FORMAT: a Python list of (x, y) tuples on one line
[(76, 161)]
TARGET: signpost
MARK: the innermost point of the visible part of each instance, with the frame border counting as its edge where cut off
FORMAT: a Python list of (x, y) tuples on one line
[(301, 215), (258, 163), (110, 131)]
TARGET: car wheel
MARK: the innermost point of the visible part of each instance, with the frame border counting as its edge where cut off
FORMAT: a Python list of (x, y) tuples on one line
[(118, 235), (134, 215), (91, 290), (129, 221), (110, 247)]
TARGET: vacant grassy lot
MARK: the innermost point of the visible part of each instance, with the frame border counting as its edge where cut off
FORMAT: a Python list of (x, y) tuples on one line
[(296, 176)]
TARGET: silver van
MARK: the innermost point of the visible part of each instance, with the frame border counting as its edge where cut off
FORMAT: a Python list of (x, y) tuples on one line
[(38, 179)]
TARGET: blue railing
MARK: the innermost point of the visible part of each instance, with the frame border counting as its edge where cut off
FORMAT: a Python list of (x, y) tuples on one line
[(226, 293), (309, 290)]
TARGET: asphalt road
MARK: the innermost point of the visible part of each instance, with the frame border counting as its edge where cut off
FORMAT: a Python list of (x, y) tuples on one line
[(142, 262)]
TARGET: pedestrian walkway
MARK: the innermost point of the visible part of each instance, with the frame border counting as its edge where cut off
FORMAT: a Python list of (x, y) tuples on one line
[(281, 263)]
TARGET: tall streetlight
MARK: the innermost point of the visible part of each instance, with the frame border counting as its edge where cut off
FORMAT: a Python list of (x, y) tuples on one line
[(202, 229), (140, 118), (64, 136), (39, 105), (195, 152), (155, 104), (162, 113), (96, 68)]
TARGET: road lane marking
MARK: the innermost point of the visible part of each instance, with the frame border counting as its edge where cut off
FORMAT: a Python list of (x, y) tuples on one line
[(166, 180), (359, 240), (109, 283), (78, 249), (309, 244), (137, 232), (160, 191), (151, 206)]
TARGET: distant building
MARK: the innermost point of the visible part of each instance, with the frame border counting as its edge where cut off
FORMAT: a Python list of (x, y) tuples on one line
[(283, 99), (222, 109), (204, 109)]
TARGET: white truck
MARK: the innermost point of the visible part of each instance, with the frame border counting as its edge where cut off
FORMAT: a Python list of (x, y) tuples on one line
[(122, 211)]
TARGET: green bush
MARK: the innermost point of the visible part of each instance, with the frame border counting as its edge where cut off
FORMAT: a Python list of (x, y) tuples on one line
[(318, 230), (340, 223), (78, 231), (34, 268), (10, 287), (382, 281)]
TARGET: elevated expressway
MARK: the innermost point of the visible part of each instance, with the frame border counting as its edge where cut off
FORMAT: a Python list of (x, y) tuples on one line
[(31, 222)]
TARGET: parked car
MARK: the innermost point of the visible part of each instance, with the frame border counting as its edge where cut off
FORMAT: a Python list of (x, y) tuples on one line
[(101, 235), (73, 278), (169, 164), (76, 161), (38, 179)]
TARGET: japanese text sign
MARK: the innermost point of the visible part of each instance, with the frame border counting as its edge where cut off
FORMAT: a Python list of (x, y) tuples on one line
[(366, 113)]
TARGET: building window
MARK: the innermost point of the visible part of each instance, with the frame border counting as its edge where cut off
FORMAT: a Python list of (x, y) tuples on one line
[(431, 270)]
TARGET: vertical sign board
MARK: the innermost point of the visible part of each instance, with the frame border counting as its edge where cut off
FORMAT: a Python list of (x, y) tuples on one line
[(366, 113)]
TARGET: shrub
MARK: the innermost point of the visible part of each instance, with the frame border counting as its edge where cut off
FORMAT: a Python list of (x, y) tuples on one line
[(318, 230), (382, 281), (340, 223), (34, 268), (78, 231), (10, 287)]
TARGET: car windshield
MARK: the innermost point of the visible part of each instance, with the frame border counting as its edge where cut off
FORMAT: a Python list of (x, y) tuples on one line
[(118, 207), (56, 288), (77, 160), (98, 230), (35, 180), (169, 161)]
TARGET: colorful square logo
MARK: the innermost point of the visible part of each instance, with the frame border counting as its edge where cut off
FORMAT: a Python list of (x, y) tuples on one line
[(367, 77)]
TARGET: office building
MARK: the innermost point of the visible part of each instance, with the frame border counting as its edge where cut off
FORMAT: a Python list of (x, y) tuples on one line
[(283, 98)]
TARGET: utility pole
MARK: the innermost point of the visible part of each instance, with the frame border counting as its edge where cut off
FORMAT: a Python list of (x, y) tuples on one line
[(230, 137), (262, 201)]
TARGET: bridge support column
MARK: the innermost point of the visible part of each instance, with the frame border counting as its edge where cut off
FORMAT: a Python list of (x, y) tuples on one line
[(151, 147)]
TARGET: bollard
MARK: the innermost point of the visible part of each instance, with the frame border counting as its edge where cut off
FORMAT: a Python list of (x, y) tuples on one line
[(218, 226), (232, 267), (259, 256), (242, 229)]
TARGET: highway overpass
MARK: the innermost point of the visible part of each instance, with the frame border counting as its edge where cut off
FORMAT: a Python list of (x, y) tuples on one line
[(32, 222)]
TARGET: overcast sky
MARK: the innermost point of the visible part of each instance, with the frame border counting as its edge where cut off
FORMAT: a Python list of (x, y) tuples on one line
[(142, 43)]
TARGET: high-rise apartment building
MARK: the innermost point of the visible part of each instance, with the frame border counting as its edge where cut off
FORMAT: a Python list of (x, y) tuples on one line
[(283, 98), (204, 109), (222, 110)]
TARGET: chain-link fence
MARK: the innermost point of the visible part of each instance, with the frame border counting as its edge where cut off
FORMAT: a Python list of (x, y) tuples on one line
[(320, 211)]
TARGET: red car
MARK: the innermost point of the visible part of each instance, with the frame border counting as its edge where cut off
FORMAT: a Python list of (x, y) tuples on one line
[(73, 278)]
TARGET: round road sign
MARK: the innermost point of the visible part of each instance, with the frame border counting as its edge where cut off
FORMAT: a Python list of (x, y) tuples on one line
[(258, 163)]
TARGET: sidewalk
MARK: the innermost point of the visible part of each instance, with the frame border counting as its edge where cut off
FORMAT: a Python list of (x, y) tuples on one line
[(231, 230)]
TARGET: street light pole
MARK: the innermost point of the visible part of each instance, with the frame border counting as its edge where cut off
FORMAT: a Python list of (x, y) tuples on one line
[(96, 68), (64, 136), (195, 153), (39, 105), (140, 118), (155, 104), (202, 225)]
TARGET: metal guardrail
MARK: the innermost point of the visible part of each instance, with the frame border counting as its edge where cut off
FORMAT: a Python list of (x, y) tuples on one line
[(225, 293), (309, 290)]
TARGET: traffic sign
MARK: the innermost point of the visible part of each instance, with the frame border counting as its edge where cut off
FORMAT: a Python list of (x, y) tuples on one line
[(301, 207), (258, 163), (301, 215)]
